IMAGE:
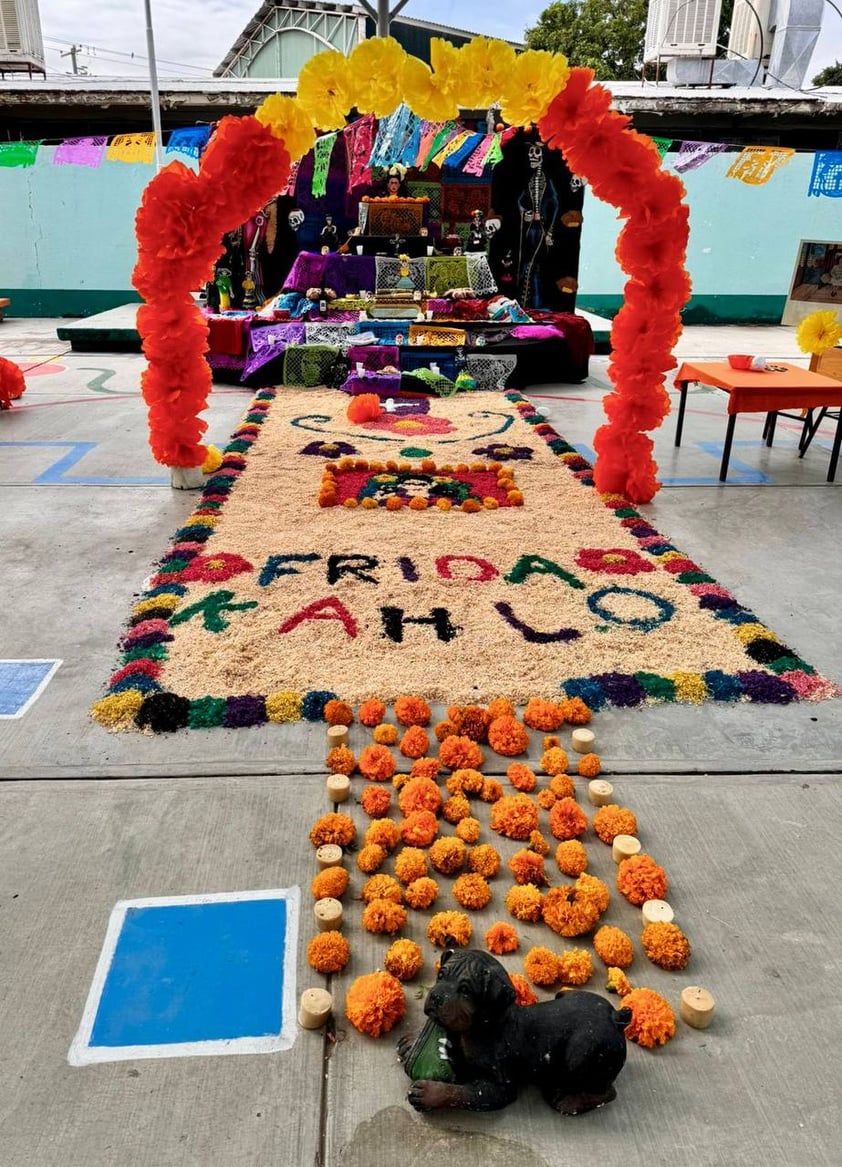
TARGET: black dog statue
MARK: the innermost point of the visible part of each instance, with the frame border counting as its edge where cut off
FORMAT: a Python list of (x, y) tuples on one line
[(571, 1048)]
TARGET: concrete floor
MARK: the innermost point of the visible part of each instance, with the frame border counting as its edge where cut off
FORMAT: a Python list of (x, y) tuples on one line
[(738, 803)]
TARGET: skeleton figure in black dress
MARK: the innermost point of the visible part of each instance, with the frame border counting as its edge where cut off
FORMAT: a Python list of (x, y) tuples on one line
[(539, 208)]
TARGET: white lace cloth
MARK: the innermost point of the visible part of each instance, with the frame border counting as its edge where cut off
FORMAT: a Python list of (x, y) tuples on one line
[(491, 372), (479, 274)]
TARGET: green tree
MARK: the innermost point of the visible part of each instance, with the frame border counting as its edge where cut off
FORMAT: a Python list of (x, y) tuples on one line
[(600, 34), (832, 75)]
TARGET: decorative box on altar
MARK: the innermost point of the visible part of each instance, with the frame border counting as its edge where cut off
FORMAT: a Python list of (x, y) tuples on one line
[(392, 216)]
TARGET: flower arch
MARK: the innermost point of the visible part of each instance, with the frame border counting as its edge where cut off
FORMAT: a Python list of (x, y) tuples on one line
[(183, 216)]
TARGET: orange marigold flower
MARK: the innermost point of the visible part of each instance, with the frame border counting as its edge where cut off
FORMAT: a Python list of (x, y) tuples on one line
[(384, 916), (419, 828), (338, 713), (640, 878), (465, 781), (448, 855), (425, 768), (550, 742), (527, 867), (523, 990), (394, 502), (567, 819), (376, 763), (456, 809), (538, 843), (371, 858), (471, 891), (546, 799), (568, 912), (371, 712), (444, 729), (595, 889), (468, 830), (576, 967), (525, 903), (383, 832), (419, 794), (403, 959), (562, 786), (421, 893), (328, 952), (332, 883), (589, 765), (500, 707), (502, 938), (491, 790), (571, 857), (542, 966), (458, 753), (653, 1021), (410, 864), (412, 711), (613, 946), (508, 737), (540, 714), (484, 860), (446, 928), (665, 945), (375, 1003), (576, 711), (473, 722), (382, 887), (334, 828), (521, 777), (385, 734), (375, 801), (554, 761), (414, 743), (612, 820), (515, 816), (340, 760), (617, 982)]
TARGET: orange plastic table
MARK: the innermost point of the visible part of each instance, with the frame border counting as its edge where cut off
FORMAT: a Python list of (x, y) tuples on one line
[(762, 392)]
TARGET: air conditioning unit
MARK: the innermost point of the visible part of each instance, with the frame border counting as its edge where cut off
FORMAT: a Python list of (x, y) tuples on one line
[(750, 38), (681, 28), (21, 42)]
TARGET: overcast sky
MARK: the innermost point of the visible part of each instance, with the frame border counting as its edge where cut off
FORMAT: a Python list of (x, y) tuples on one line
[(199, 33)]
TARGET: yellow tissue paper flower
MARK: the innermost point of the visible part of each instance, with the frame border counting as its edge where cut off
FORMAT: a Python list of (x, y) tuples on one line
[(819, 331), (429, 95), (213, 459), (485, 67), (531, 85), (288, 121), (324, 90), (376, 67)]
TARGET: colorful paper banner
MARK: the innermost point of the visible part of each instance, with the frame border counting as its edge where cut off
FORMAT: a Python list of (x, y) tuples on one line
[(755, 165), (131, 148), (692, 155), (322, 150), (359, 143), (663, 144), (18, 153), (80, 152), (190, 140), (826, 178)]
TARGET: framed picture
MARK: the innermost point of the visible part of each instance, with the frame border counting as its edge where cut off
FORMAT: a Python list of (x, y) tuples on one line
[(816, 281)]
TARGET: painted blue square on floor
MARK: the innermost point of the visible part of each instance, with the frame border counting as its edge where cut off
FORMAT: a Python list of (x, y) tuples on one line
[(21, 682), (193, 975)]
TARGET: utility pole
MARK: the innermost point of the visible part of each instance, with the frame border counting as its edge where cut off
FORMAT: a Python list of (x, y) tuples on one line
[(72, 51), (153, 86)]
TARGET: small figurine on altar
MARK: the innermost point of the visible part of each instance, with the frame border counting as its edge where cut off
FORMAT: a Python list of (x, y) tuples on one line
[(329, 236), (477, 236), (224, 287)]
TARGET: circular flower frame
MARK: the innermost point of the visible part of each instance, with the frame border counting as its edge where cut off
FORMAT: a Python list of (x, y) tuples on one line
[(184, 215)]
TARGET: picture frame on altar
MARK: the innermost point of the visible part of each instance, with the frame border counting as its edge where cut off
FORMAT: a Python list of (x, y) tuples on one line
[(816, 279)]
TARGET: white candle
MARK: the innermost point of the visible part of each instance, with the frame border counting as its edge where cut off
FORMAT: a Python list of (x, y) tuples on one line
[(696, 1007), (315, 1008), (624, 846), (583, 740), (657, 912), (330, 855), (338, 787), (337, 735), (600, 792), (328, 913)]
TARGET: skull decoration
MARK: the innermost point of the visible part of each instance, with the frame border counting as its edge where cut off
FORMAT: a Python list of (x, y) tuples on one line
[(295, 219), (492, 226), (576, 183), (535, 154)]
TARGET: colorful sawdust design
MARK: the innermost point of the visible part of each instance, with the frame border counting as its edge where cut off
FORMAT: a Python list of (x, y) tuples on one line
[(278, 593)]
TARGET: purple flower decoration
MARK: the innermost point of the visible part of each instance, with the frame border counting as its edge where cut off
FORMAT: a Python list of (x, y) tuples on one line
[(329, 449), (501, 452)]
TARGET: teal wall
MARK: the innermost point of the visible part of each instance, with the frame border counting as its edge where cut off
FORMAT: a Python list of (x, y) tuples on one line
[(67, 239)]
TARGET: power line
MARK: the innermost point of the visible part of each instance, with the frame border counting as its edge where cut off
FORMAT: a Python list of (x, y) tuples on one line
[(98, 50)]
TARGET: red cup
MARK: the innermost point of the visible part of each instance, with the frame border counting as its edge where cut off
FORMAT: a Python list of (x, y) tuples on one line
[(739, 361)]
